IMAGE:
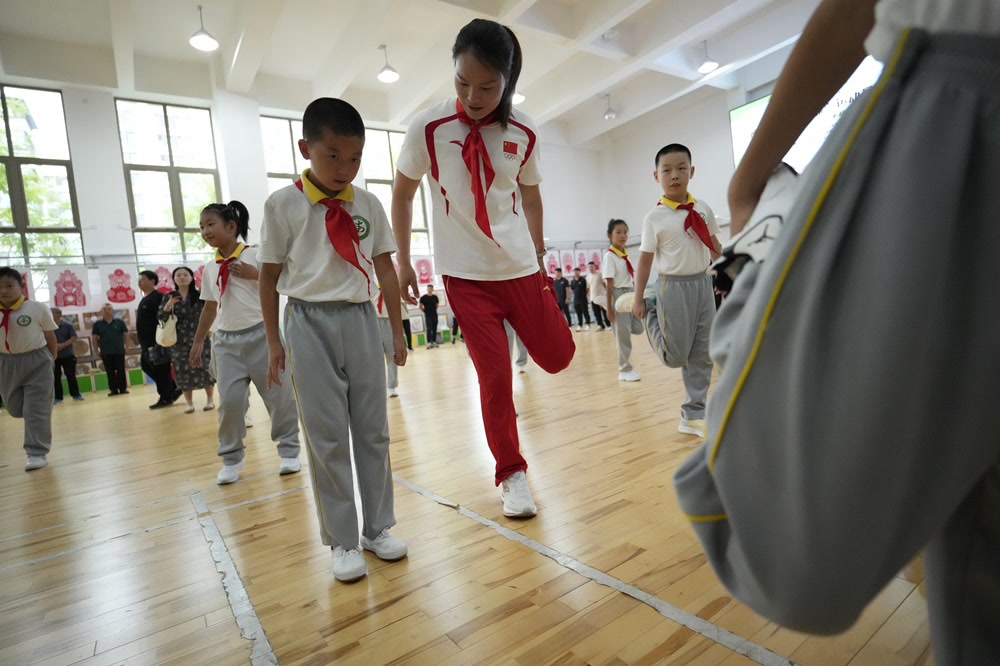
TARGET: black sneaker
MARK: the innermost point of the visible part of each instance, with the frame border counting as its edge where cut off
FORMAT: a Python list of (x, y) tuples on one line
[(160, 404), (177, 394)]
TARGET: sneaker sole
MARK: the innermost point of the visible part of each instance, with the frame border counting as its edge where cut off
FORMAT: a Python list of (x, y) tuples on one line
[(385, 558), (524, 514), (286, 472), (690, 431), (351, 578)]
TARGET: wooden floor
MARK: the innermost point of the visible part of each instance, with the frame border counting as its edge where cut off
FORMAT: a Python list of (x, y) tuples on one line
[(105, 556)]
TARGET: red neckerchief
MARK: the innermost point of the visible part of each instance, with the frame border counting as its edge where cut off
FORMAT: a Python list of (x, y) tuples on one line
[(380, 302), (623, 254), (5, 322), (223, 278), (474, 153), (343, 233), (694, 220)]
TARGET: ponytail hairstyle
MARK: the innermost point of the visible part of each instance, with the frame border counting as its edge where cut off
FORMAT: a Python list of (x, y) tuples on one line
[(495, 46), (614, 223), (234, 212)]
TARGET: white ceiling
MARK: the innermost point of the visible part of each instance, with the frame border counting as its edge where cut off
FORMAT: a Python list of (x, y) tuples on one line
[(644, 53)]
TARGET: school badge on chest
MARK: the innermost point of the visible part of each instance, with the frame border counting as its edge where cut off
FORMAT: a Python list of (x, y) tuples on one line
[(364, 227), (510, 150), (23, 320)]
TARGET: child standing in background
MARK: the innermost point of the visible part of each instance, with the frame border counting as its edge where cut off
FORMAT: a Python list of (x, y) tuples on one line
[(27, 359), (619, 280)]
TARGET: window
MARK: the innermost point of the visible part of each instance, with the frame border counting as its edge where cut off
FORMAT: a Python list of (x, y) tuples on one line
[(379, 166), (170, 176), (282, 158), (378, 163), (39, 221)]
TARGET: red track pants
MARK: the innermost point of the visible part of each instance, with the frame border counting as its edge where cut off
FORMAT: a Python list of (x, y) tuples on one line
[(529, 305)]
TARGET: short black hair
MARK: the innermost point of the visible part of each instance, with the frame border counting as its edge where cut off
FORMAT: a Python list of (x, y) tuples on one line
[(576, 269), (590, 263), (335, 115), (8, 272), (614, 223), (672, 148), (150, 275), (558, 270)]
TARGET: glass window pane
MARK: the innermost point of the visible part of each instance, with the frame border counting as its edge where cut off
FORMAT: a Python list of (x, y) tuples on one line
[(54, 245), (197, 191), (375, 161), (11, 252), (163, 245), (143, 133), (151, 194), (420, 243), (301, 163), (396, 143), (6, 216), (196, 249), (383, 192), (275, 184), (37, 124), (46, 193), (3, 136), (419, 216), (277, 145), (191, 137)]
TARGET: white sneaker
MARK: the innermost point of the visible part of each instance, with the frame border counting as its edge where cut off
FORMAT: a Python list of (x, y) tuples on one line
[(579, 328), (692, 427), (35, 462), (289, 466), (521, 370), (229, 474), (630, 376), (587, 327), (348, 565), (393, 393), (517, 502), (248, 422), (385, 546), (624, 302)]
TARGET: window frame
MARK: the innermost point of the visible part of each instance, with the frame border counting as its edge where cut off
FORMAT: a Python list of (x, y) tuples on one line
[(21, 222), (174, 173)]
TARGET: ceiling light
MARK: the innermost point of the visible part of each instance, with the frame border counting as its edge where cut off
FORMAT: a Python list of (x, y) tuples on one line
[(387, 74), (610, 114), (709, 65), (612, 35), (201, 39), (517, 98)]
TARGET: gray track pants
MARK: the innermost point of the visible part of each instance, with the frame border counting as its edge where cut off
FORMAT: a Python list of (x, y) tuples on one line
[(678, 329), (241, 358), (625, 326), (336, 357), (27, 390)]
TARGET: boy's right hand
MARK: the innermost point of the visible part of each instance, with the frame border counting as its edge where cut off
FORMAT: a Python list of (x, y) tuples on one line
[(408, 283), (275, 365), (639, 308), (194, 357)]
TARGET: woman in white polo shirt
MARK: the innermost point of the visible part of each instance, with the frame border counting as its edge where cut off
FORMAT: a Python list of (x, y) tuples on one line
[(483, 162)]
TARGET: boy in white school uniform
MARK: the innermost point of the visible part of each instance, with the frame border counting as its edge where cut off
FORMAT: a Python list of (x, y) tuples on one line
[(679, 241), (27, 358), (229, 289), (323, 243)]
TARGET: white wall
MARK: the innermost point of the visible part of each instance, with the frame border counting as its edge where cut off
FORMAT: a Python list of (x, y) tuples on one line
[(239, 150), (702, 125), (573, 193)]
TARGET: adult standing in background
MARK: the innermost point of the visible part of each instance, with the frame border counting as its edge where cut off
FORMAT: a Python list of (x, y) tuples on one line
[(109, 338), (65, 357), (185, 303), (145, 325), (429, 306)]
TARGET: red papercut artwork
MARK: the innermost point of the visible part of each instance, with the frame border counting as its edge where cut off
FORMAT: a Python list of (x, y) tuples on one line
[(581, 261), (595, 257), (69, 291), (425, 272), (121, 290), (197, 276), (166, 283), (551, 263), (566, 259)]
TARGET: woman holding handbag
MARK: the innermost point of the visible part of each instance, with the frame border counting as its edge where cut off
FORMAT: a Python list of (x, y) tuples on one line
[(185, 305)]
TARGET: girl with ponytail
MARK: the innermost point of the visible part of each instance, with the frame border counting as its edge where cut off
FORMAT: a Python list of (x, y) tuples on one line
[(482, 156), (229, 289)]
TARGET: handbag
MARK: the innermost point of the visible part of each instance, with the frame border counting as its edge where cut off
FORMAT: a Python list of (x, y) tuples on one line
[(166, 332), (158, 355)]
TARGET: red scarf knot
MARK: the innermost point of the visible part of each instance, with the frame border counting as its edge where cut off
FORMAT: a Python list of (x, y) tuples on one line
[(477, 160)]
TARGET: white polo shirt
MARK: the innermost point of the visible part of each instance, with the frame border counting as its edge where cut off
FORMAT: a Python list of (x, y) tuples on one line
[(433, 145), (25, 331), (892, 16), (293, 234), (614, 267), (675, 251), (239, 308), (598, 292)]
